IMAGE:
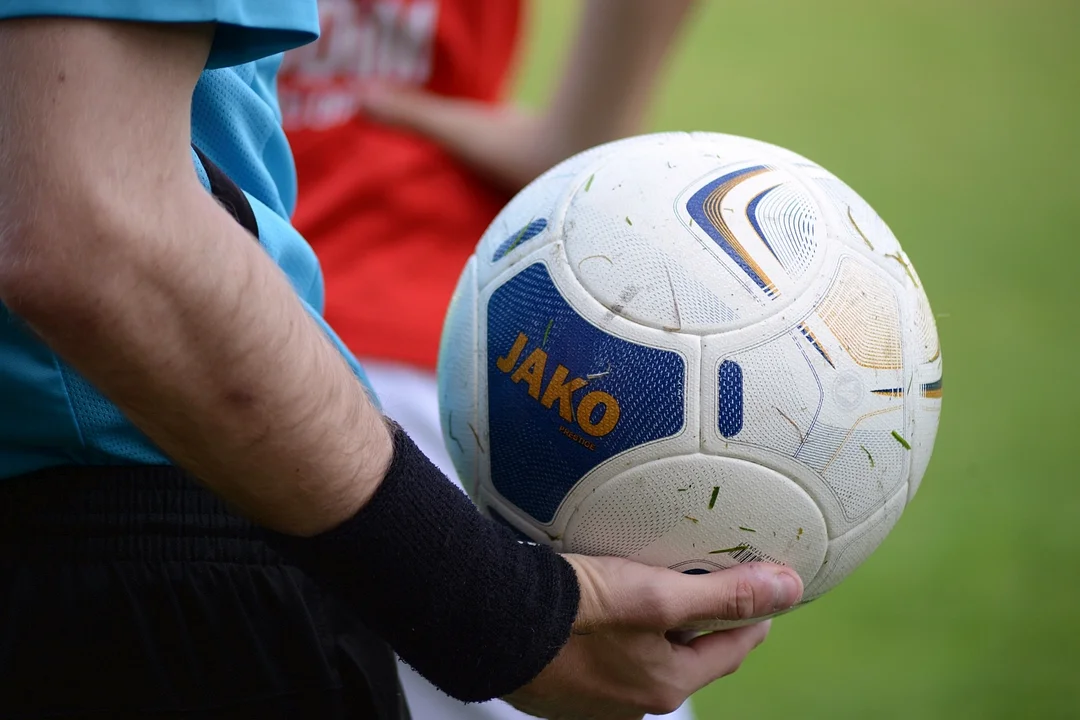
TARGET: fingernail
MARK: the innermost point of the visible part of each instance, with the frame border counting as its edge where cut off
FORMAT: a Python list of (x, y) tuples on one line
[(788, 590)]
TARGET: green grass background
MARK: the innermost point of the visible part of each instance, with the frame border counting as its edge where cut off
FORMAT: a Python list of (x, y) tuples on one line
[(958, 121)]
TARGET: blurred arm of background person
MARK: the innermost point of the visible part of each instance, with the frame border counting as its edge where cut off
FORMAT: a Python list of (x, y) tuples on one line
[(602, 95)]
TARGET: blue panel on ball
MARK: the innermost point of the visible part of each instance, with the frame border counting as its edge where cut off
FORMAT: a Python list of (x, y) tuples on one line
[(525, 234), (731, 399), (564, 396)]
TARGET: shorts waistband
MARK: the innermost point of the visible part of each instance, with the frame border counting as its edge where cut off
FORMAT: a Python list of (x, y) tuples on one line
[(123, 513)]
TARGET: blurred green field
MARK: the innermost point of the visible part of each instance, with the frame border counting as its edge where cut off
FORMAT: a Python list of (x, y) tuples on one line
[(958, 121)]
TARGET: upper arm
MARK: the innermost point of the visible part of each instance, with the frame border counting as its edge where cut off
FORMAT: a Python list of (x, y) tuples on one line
[(97, 98), (95, 122)]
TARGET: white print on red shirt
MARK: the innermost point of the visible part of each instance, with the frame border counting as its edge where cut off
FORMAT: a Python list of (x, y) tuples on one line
[(361, 41)]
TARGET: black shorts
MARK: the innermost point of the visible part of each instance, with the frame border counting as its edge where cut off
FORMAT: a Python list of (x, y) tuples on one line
[(133, 592)]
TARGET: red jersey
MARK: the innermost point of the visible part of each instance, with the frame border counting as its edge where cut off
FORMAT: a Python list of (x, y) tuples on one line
[(392, 217)]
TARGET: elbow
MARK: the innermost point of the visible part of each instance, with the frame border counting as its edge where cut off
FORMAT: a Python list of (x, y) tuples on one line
[(26, 260), (33, 291), (57, 256)]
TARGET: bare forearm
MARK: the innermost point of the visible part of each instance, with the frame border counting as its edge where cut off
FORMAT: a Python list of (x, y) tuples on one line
[(199, 339)]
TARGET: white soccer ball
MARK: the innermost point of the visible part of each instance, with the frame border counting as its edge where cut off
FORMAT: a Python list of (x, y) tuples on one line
[(692, 350)]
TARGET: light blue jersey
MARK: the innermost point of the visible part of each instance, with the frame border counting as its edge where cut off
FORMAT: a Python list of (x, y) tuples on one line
[(49, 414)]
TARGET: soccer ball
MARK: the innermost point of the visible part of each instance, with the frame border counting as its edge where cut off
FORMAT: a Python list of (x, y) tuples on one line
[(692, 350)]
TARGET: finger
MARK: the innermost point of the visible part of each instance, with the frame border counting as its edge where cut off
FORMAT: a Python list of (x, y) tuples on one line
[(739, 593), (719, 654)]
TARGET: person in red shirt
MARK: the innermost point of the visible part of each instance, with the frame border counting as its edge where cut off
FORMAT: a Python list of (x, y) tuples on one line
[(406, 149)]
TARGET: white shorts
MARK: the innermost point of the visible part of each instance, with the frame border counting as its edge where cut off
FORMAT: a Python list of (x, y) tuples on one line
[(410, 396)]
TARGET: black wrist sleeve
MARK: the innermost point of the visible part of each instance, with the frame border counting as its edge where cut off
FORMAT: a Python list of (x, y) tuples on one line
[(472, 609)]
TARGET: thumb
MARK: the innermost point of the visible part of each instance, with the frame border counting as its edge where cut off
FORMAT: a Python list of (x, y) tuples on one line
[(740, 593), (615, 590)]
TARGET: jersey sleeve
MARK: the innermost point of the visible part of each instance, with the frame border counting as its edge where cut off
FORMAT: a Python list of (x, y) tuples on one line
[(246, 29)]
